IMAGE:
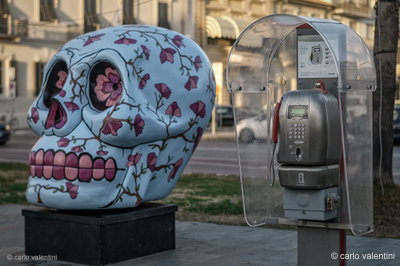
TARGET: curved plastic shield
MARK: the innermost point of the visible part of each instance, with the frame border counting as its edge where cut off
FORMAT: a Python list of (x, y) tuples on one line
[(265, 63)]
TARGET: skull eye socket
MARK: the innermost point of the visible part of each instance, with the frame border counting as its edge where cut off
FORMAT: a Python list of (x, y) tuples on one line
[(55, 82), (105, 86)]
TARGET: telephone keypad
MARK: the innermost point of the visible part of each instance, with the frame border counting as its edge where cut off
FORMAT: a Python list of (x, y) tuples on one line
[(297, 131)]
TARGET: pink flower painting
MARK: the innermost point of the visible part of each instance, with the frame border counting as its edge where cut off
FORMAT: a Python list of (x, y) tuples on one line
[(72, 189), (175, 168), (125, 41), (101, 152), (77, 149), (34, 114), (199, 108), (134, 159), (111, 126), (167, 54), (71, 106), (143, 81), (151, 161), (92, 39), (178, 41), (163, 89), (138, 124), (191, 83), (173, 110), (198, 137), (63, 142), (109, 87), (62, 93), (146, 51), (197, 63), (62, 77)]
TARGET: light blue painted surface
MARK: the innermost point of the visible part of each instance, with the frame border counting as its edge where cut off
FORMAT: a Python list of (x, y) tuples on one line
[(120, 113)]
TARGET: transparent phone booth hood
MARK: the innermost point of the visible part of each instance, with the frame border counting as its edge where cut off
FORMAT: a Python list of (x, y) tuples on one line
[(306, 159)]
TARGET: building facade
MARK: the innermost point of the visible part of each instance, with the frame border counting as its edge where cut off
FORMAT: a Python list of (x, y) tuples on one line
[(225, 19), (31, 32)]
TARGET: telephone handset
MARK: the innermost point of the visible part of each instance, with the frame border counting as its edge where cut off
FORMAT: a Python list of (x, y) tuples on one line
[(275, 124)]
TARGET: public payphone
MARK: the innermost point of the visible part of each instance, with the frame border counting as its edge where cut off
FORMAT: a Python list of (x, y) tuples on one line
[(309, 153), (313, 79), (309, 130)]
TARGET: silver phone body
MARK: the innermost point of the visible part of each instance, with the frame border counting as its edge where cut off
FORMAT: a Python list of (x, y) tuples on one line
[(309, 129)]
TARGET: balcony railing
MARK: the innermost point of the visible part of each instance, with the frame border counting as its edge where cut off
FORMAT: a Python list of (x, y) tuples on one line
[(55, 32), (353, 9), (13, 28)]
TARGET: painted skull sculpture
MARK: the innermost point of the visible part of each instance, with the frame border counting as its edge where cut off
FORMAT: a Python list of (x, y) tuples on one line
[(119, 115)]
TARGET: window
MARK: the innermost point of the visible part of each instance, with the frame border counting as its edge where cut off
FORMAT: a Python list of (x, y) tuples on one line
[(370, 32), (1, 77), (4, 13), (128, 16), (47, 10), (363, 30), (353, 25), (212, 41), (91, 19), (163, 15), (398, 57), (13, 78), (39, 70)]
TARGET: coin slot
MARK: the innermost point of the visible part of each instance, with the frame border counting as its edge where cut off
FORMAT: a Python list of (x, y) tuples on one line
[(298, 154)]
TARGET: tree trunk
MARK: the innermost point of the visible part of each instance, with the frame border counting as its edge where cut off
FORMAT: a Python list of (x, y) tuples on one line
[(385, 51)]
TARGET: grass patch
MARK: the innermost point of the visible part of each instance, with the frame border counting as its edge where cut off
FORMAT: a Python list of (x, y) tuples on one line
[(387, 211), (208, 198), (13, 180), (13, 166), (223, 207), (212, 198), (210, 185)]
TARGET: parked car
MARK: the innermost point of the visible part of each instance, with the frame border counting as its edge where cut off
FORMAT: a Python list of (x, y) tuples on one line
[(396, 124), (4, 133), (224, 114), (247, 112), (253, 128)]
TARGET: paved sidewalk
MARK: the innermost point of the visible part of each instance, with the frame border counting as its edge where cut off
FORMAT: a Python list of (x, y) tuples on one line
[(207, 244)]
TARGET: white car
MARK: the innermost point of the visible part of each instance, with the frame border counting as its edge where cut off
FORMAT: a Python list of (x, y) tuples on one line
[(253, 128)]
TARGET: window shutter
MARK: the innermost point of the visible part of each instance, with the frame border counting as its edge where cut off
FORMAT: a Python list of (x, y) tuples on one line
[(163, 15)]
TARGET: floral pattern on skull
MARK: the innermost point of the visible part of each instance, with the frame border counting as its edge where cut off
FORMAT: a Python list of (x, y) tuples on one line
[(109, 87), (120, 113)]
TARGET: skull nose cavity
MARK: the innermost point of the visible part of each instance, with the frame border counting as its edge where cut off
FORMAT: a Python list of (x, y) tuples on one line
[(57, 116)]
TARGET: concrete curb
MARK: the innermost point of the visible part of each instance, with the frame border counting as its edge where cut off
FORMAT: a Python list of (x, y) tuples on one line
[(221, 134)]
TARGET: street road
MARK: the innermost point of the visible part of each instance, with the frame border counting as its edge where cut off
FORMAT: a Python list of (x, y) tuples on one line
[(212, 156), (218, 157)]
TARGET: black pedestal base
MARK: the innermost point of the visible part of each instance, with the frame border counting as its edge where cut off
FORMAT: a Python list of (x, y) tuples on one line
[(100, 237)]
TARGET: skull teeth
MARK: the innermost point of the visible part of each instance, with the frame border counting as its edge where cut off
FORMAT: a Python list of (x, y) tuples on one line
[(59, 165)]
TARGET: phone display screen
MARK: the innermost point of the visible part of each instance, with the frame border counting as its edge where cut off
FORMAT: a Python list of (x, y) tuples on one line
[(298, 111)]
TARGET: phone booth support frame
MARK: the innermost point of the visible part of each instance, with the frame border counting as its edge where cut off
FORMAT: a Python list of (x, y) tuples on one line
[(281, 57)]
